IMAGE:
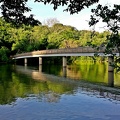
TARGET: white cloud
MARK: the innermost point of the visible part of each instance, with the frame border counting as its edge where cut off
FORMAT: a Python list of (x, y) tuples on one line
[(78, 21)]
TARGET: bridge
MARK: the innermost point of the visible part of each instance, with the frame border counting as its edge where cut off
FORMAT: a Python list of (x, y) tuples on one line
[(79, 51)]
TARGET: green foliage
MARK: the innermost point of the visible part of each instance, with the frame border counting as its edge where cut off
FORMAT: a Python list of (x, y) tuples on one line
[(110, 16), (4, 54), (5, 34), (28, 38), (13, 11), (62, 36), (5, 40)]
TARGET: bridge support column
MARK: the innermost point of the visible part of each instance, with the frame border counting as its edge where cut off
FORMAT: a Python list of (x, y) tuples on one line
[(64, 61), (40, 68), (110, 71), (40, 60), (40, 64), (64, 66), (25, 61)]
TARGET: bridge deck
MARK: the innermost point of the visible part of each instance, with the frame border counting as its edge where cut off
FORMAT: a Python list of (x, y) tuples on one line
[(79, 51)]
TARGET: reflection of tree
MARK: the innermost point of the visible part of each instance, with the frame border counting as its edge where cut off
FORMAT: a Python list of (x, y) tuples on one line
[(51, 69), (5, 96), (5, 82), (92, 72), (15, 84)]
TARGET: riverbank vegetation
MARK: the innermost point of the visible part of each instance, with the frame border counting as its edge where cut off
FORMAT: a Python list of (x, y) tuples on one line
[(28, 38)]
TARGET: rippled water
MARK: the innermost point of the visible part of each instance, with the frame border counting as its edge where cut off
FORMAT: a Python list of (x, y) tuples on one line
[(28, 94)]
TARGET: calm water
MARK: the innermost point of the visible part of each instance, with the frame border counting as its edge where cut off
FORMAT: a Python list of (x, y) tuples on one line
[(26, 93), (96, 73)]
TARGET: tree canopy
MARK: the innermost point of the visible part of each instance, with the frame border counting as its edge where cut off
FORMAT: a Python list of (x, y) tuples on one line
[(29, 38), (13, 11)]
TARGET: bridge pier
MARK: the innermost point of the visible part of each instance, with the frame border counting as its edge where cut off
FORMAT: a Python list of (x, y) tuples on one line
[(64, 66), (40, 68), (25, 61), (40, 64), (40, 61), (110, 71), (64, 61)]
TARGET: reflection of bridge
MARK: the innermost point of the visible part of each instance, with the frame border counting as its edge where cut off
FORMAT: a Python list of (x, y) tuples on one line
[(112, 94), (79, 51)]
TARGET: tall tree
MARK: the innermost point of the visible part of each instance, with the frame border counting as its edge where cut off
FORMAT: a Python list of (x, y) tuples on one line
[(13, 11), (5, 40), (50, 22), (111, 17)]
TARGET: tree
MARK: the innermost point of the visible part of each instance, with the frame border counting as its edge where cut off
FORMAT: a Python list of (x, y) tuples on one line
[(50, 22), (22, 39), (40, 37), (13, 11), (6, 40), (4, 53), (110, 16), (62, 36)]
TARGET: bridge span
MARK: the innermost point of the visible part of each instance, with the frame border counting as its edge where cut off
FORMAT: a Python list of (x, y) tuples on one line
[(79, 51)]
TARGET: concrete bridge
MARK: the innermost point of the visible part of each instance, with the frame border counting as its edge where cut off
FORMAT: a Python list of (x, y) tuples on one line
[(79, 51)]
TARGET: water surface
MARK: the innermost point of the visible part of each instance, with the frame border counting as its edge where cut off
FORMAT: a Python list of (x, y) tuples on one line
[(26, 93), (90, 72)]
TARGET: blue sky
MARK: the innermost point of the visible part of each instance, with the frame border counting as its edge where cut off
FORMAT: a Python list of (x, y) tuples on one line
[(80, 21), (43, 12)]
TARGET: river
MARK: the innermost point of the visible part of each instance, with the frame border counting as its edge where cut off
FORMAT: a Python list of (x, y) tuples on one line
[(35, 93)]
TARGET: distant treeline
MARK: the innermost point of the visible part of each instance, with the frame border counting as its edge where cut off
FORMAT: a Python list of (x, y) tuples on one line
[(30, 38)]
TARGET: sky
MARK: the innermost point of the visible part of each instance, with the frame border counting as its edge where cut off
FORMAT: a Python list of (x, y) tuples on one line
[(79, 21)]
